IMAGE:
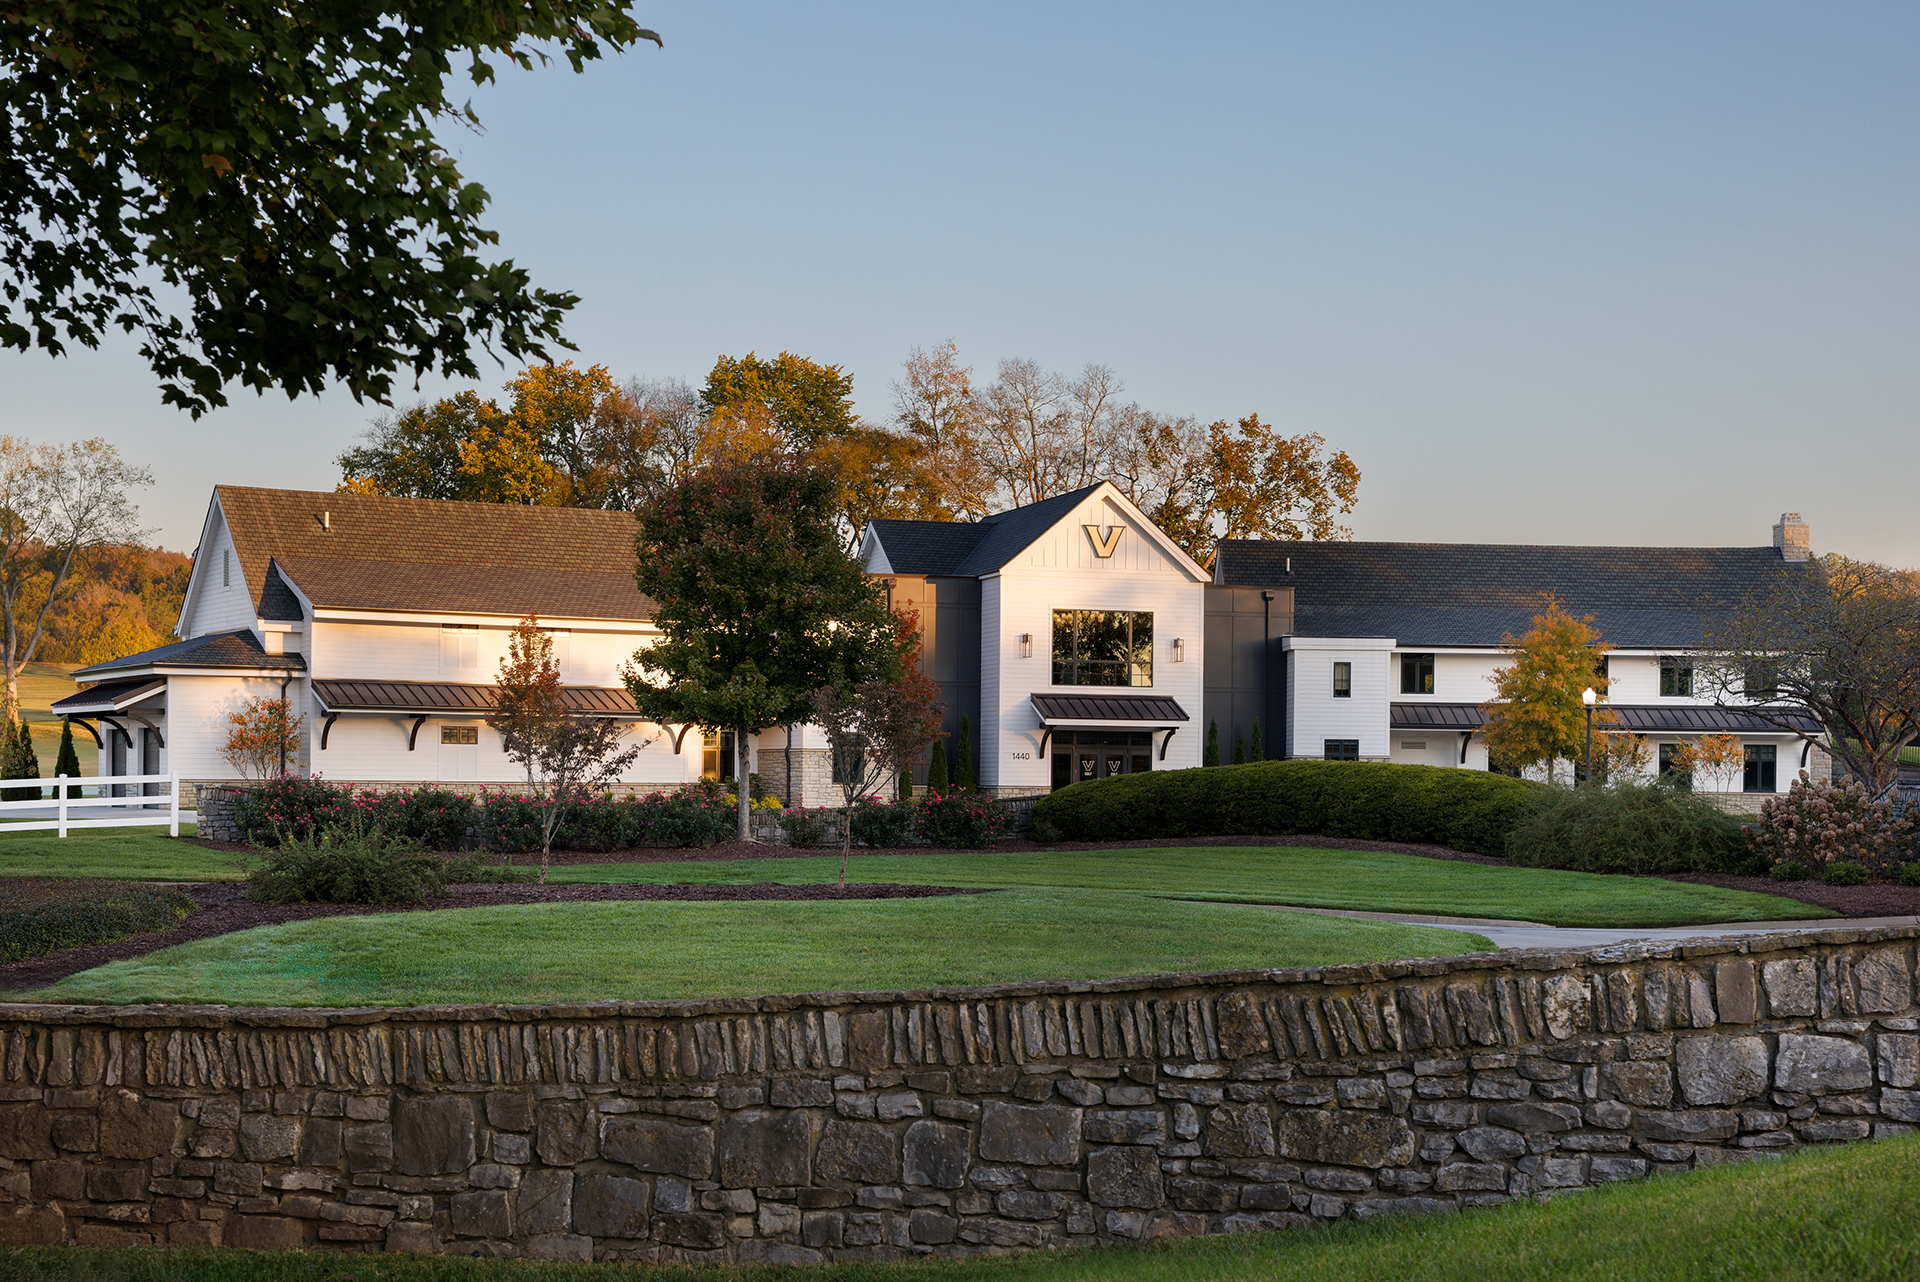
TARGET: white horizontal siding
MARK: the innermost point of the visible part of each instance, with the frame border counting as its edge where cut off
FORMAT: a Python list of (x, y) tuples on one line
[(219, 607), (414, 652), (1314, 715)]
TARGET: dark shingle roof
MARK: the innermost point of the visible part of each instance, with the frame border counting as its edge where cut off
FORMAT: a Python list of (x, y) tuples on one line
[(277, 601), (239, 649), (1479, 593), (450, 552), (970, 549), (109, 696)]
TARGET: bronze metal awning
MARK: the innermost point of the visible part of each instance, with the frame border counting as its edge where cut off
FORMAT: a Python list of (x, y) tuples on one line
[(1107, 709), (453, 699), (1635, 718)]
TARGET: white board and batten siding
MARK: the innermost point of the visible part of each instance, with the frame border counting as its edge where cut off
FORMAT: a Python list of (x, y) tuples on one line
[(1064, 570)]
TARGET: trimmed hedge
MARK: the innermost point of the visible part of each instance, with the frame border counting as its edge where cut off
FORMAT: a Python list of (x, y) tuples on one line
[(1471, 810), (37, 918)]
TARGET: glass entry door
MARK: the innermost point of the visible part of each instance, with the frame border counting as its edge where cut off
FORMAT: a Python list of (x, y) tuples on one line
[(1100, 754)]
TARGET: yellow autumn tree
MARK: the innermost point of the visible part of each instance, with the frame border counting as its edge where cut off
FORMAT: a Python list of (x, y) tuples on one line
[(1537, 715)]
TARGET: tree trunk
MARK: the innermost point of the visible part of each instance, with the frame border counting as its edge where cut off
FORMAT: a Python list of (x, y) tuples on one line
[(740, 782)]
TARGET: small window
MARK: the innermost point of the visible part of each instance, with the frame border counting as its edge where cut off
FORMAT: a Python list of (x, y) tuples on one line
[(1684, 778), (1676, 679), (1762, 765), (1341, 749), (1761, 681), (459, 734), (1343, 681), (226, 568), (1600, 670), (1416, 674), (859, 774)]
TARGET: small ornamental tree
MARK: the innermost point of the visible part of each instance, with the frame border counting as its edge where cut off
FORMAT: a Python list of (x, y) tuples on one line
[(937, 769), (1211, 757), (564, 752), (757, 602), (261, 736), (68, 762), (1710, 754), (875, 731), (1537, 715)]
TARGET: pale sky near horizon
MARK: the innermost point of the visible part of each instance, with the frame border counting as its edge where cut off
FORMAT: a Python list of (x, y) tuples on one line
[(1625, 274)]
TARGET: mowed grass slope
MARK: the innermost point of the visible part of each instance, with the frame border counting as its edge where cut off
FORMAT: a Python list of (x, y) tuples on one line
[(1830, 1215), (1368, 881), (609, 950), (120, 854)]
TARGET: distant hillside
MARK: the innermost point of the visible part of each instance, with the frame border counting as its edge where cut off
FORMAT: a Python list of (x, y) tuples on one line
[(125, 602)]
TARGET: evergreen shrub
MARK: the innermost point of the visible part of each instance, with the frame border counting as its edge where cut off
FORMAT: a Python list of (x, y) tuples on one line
[(37, 918), (1629, 828), (1843, 873), (347, 864), (1788, 870), (68, 761), (1377, 801)]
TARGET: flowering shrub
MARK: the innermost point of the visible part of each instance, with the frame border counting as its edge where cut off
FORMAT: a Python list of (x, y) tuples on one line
[(1820, 821), (882, 824), (961, 820), (806, 828), (287, 807)]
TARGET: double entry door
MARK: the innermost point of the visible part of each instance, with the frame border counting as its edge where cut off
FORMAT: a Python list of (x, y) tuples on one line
[(1098, 754)]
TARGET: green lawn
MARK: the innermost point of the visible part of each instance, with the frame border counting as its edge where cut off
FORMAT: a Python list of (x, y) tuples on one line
[(1828, 1215), (1369, 881), (578, 952), (124, 854)]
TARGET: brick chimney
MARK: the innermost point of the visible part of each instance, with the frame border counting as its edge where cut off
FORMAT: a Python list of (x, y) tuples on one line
[(1791, 539)]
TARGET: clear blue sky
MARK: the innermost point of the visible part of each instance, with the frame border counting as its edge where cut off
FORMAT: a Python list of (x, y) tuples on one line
[(1623, 273)]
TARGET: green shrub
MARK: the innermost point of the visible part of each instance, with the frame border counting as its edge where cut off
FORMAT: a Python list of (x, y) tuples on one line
[(1842, 873), (347, 864), (1377, 801), (804, 828), (470, 869), (961, 820), (1627, 828), (1910, 875), (883, 825), (288, 806), (1788, 870), (37, 918)]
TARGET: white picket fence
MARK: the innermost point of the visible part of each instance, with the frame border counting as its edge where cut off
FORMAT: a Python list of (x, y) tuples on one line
[(57, 812)]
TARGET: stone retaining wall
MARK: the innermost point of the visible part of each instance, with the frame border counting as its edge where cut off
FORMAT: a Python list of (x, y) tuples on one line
[(847, 1126)]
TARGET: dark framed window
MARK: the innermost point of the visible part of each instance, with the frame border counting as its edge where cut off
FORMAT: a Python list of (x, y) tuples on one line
[(1676, 679), (1684, 778), (1343, 681), (459, 734), (1416, 674), (1102, 648), (1341, 749), (1762, 766), (1600, 668), (1760, 681), (840, 775)]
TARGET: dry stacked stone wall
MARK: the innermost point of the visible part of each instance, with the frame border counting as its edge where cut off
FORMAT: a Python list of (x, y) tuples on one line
[(804, 1129)]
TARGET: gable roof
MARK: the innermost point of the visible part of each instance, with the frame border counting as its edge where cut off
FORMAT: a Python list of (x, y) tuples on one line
[(1476, 594), (237, 649), (971, 549), (431, 555)]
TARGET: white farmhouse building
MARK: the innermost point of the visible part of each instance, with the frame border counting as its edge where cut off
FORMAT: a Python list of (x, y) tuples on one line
[(1075, 637)]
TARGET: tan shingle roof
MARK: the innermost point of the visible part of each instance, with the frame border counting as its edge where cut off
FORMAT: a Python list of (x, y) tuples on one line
[(437, 556)]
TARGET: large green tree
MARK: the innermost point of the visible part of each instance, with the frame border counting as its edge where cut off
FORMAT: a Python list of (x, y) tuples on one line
[(757, 602), (274, 164)]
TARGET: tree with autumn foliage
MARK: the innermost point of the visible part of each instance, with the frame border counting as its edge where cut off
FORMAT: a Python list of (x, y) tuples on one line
[(757, 600), (877, 730), (262, 736), (1537, 716), (563, 750)]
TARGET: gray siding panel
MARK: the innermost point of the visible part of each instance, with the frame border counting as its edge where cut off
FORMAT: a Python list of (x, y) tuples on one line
[(1246, 677)]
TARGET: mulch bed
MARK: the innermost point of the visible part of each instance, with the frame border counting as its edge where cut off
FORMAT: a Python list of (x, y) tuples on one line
[(225, 908), (1877, 899)]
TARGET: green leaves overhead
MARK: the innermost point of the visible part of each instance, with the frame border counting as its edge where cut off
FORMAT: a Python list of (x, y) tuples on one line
[(276, 164)]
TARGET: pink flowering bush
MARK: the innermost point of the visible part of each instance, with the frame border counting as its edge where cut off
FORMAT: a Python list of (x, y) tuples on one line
[(961, 820), (1817, 823)]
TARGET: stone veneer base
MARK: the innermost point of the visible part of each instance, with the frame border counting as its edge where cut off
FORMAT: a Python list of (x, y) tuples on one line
[(858, 1125)]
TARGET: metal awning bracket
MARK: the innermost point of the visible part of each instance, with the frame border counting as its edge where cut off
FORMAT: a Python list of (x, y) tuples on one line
[(1171, 730), (414, 733), (680, 738), (1046, 736), (327, 729)]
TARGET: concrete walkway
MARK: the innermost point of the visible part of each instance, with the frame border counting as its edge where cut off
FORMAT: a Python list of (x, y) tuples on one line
[(1533, 934)]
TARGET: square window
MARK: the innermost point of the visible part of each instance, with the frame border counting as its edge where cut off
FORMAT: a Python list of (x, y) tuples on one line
[(1762, 768), (459, 734), (1416, 674), (1341, 749), (1676, 679), (1343, 681)]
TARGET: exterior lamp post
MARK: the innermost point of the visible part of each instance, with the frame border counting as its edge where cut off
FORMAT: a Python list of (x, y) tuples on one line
[(1588, 697)]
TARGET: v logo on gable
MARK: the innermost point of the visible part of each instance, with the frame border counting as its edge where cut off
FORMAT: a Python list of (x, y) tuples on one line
[(1104, 546)]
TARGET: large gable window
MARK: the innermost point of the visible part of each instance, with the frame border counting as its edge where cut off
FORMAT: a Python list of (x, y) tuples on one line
[(1102, 648)]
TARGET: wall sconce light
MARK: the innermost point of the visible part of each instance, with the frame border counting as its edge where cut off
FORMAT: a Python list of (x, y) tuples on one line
[(1179, 650), (1026, 645)]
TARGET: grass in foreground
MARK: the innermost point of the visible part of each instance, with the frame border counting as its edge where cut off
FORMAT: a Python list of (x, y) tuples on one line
[(1851, 1213), (1369, 881), (123, 854), (609, 950)]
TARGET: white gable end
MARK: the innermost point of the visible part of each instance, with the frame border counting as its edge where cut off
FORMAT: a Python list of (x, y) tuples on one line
[(1108, 535)]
